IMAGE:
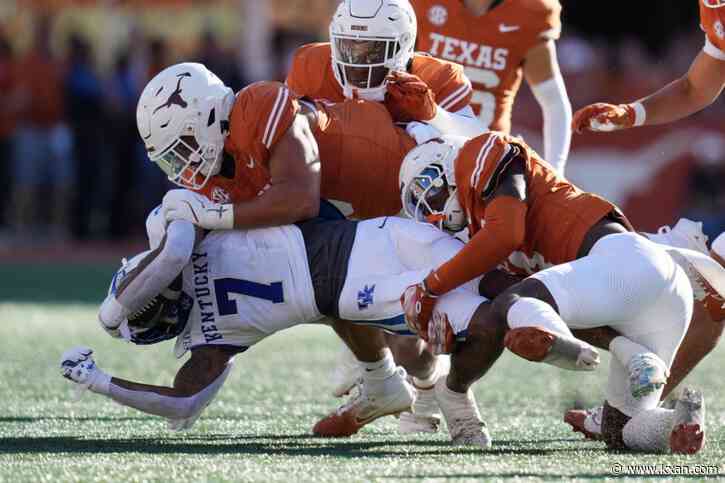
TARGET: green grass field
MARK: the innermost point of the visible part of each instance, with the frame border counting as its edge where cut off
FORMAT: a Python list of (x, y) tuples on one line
[(259, 426)]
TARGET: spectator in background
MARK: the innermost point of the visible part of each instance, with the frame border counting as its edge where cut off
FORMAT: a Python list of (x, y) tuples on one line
[(220, 61), (8, 114), (43, 154), (158, 54), (84, 98), (127, 208)]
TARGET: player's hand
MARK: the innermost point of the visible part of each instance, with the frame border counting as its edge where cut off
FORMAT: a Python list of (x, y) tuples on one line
[(408, 98), (181, 204), (77, 365), (601, 117), (418, 303)]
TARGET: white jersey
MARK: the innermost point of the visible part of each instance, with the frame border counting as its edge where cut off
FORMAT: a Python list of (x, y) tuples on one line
[(247, 285)]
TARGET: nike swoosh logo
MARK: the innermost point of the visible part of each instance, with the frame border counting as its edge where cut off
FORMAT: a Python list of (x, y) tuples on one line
[(503, 28), (382, 225), (250, 163)]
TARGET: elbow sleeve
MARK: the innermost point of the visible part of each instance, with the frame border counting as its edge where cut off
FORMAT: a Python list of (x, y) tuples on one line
[(556, 108)]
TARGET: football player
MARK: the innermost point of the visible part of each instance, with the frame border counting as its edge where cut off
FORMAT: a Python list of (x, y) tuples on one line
[(222, 292), (589, 268), (371, 56), (694, 91), (262, 156), (499, 43)]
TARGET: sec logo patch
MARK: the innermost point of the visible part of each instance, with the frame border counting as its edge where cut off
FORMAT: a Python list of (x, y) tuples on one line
[(719, 30), (437, 15)]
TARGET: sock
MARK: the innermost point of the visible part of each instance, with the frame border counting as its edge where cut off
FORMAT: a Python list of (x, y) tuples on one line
[(624, 349), (429, 381), (381, 369), (649, 430), (531, 312)]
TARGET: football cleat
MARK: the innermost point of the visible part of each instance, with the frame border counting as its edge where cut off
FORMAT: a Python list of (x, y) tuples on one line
[(346, 374), (537, 344), (465, 425), (586, 421), (425, 417), (685, 234), (647, 374), (391, 396), (688, 430), (77, 365)]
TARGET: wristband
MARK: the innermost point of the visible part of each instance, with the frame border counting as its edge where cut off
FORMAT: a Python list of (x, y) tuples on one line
[(640, 113)]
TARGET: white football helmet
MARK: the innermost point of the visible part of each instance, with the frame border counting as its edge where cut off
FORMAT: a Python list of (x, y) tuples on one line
[(713, 3), (183, 118), (370, 38), (428, 184)]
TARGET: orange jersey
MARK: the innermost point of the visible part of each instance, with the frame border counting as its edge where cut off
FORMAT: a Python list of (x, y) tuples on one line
[(712, 21), (261, 114), (361, 151), (492, 47), (311, 76), (558, 215)]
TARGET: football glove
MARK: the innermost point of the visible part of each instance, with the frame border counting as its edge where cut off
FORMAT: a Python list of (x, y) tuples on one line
[(408, 98), (181, 204), (77, 365), (601, 117), (418, 303)]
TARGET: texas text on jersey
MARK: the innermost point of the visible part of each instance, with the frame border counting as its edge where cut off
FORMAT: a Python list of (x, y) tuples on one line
[(491, 47)]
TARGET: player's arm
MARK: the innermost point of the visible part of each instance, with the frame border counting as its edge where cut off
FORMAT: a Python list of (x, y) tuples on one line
[(541, 69), (410, 99), (294, 193), (195, 385), (694, 91), (152, 276), (503, 230)]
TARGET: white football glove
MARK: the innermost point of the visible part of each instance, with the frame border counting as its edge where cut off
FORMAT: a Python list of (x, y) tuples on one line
[(77, 364), (181, 204), (421, 132)]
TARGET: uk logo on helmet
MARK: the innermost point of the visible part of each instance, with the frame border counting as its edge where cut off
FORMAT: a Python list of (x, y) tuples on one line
[(438, 15)]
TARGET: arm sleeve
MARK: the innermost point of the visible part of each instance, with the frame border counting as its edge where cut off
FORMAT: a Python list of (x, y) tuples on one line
[(453, 89), (502, 233), (167, 406), (556, 108), (167, 262)]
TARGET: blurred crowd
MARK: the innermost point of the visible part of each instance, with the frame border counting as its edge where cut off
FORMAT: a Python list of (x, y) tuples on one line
[(74, 166)]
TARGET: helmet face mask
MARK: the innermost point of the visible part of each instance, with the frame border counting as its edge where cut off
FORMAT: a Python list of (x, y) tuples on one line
[(428, 185), (369, 39), (714, 3), (186, 164)]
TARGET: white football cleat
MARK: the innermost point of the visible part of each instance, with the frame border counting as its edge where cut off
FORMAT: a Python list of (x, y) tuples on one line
[(688, 430), (425, 417), (586, 421), (77, 365), (647, 374), (347, 372), (465, 425), (685, 234), (390, 396)]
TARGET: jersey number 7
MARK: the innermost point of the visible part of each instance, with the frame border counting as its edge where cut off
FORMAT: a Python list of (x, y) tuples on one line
[(225, 286)]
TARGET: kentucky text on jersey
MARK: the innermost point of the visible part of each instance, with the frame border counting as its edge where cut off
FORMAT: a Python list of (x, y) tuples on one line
[(203, 297)]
